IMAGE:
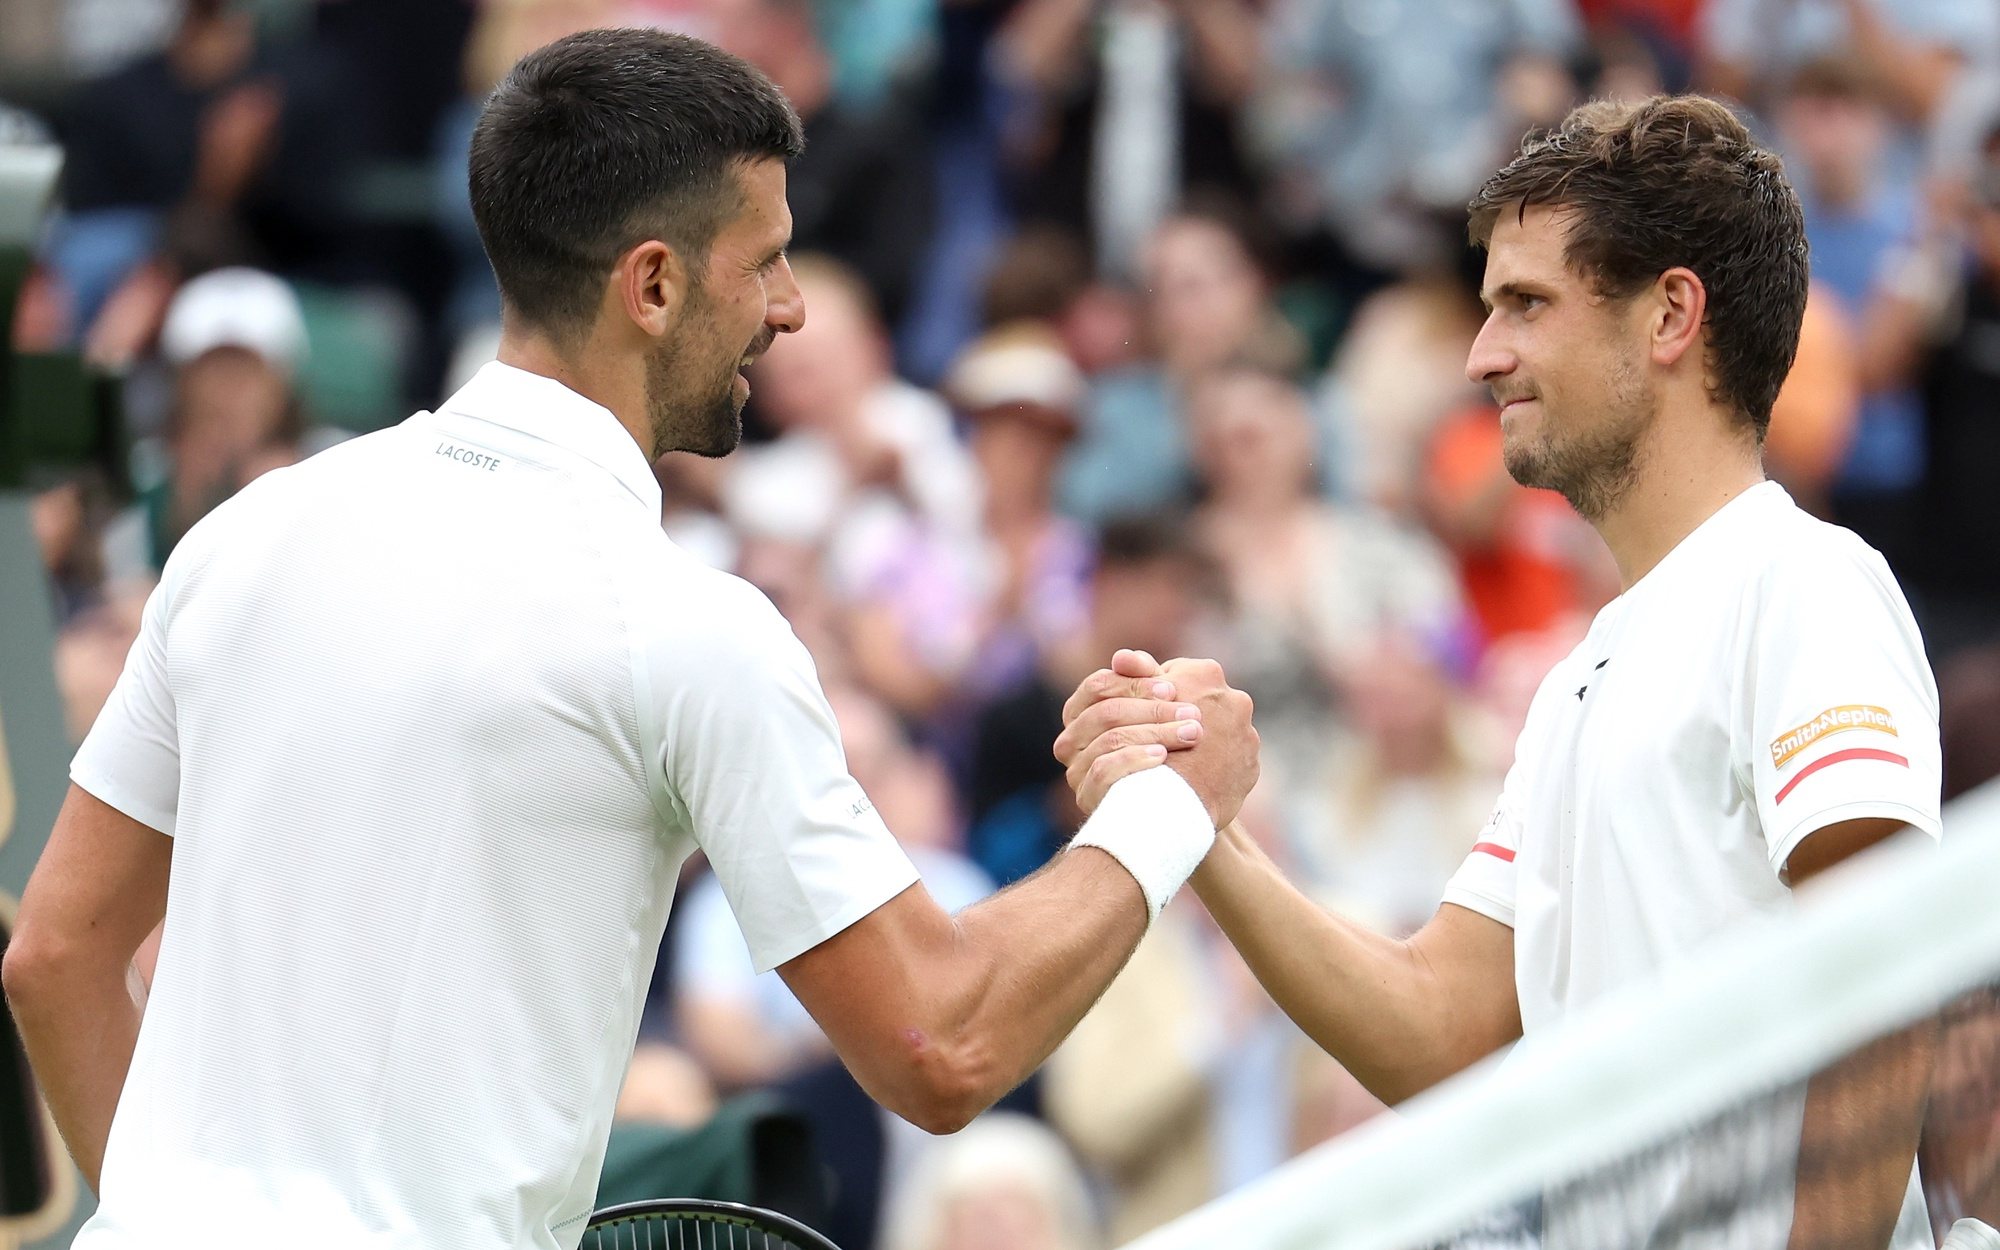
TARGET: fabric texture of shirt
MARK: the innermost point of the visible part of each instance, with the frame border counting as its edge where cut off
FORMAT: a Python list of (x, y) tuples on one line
[(434, 718), (1763, 681)]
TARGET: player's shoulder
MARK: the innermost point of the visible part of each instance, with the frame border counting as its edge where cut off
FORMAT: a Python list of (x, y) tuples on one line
[(694, 614), (1791, 552)]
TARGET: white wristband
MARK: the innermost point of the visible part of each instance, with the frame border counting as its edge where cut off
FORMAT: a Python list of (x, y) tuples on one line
[(1156, 826)]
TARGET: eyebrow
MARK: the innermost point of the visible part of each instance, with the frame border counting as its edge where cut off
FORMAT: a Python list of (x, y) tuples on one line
[(1512, 290)]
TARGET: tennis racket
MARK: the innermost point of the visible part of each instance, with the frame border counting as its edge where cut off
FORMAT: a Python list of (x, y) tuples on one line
[(696, 1224)]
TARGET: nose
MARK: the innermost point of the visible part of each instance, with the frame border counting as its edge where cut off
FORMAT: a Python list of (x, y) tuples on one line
[(1490, 357), (785, 304)]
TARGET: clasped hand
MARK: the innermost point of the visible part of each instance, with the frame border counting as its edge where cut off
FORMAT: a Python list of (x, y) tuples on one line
[(1139, 714)]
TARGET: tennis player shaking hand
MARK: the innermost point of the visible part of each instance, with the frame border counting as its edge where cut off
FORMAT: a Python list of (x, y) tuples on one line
[(412, 780), (1755, 707)]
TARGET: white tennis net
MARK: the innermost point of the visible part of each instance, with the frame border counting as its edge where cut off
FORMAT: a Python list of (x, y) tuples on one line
[(1669, 1115)]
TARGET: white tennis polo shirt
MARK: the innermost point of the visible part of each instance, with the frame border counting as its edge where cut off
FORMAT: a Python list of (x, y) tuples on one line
[(434, 718), (1763, 681)]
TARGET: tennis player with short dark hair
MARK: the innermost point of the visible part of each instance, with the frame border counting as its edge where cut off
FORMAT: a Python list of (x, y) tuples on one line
[(418, 734), (1754, 707)]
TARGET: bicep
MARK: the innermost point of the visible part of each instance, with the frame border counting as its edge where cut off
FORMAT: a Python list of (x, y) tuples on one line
[(1470, 958), (862, 983), (868, 984), (100, 887), (1829, 845)]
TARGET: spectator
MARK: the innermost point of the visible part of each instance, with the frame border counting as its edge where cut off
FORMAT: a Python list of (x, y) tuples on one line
[(1517, 549), (1019, 394), (1860, 217), (871, 469), (1208, 300), (234, 338), (1399, 371), (1812, 424), (69, 519), (1408, 794), (1146, 590), (1382, 119), (862, 191), (664, 1086), (1002, 1183), (1955, 578), (1314, 586), (1134, 103), (1914, 48), (91, 650), (192, 123)]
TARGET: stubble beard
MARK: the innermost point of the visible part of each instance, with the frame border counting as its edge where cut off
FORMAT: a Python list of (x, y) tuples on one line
[(700, 416), (1594, 470), (693, 403)]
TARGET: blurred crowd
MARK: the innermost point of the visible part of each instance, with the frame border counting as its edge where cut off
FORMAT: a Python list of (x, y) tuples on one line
[(1130, 323)]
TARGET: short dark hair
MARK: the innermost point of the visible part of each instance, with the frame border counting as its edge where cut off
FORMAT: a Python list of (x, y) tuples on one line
[(605, 139), (1666, 182)]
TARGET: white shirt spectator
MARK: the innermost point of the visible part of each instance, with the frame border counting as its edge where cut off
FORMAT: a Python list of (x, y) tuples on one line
[(434, 718), (1763, 681)]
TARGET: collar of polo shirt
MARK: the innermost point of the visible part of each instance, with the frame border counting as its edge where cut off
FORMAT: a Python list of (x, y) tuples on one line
[(544, 408)]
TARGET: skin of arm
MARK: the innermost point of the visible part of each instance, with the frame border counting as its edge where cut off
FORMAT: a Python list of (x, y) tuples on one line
[(939, 1016), (1227, 46), (99, 890), (1844, 1198), (1400, 1015)]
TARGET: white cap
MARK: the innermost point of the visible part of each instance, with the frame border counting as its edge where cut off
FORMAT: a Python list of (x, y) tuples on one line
[(1016, 364), (245, 308)]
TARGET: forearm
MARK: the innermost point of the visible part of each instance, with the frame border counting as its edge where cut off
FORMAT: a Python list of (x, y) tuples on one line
[(1374, 1003), (79, 1031), (1038, 45), (1859, 1142), (1227, 46), (1916, 74), (1030, 961)]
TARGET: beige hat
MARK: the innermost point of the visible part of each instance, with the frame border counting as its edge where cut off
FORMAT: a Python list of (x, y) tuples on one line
[(236, 307), (1018, 365)]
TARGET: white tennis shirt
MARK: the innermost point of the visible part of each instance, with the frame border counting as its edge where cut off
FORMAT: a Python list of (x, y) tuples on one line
[(1763, 681), (434, 718)]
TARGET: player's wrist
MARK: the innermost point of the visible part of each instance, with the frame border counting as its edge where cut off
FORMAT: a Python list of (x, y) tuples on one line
[(1156, 826)]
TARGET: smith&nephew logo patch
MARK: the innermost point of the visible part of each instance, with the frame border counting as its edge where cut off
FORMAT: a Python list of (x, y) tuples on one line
[(1786, 747)]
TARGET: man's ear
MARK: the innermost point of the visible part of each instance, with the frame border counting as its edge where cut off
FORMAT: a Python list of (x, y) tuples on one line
[(1680, 304), (650, 286)]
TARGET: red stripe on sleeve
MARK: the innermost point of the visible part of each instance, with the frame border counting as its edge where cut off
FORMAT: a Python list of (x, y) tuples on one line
[(1494, 849), (1853, 753)]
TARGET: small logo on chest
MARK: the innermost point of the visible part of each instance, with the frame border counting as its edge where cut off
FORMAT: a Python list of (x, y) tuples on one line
[(1580, 689)]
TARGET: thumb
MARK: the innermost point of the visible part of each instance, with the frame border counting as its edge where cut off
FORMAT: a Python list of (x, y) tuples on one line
[(1128, 663)]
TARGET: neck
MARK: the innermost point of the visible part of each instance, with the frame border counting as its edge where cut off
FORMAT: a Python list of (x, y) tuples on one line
[(1675, 493), (601, 376)]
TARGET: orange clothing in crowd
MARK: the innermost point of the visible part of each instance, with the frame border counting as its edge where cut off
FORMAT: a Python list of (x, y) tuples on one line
[(1513, 545)]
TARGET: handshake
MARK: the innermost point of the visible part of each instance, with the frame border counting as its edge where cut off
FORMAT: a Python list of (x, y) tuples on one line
[(1139, 714)]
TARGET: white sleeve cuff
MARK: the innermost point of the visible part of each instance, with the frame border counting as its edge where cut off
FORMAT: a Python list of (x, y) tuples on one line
[(1157, 827)]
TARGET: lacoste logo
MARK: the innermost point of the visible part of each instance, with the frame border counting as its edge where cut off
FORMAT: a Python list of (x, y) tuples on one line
[(1835, 720)]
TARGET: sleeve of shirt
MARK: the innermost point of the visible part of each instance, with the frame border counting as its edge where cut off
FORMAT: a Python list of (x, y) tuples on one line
[(1485, 881), (1841, 710), (750, 753), (131, 759)]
